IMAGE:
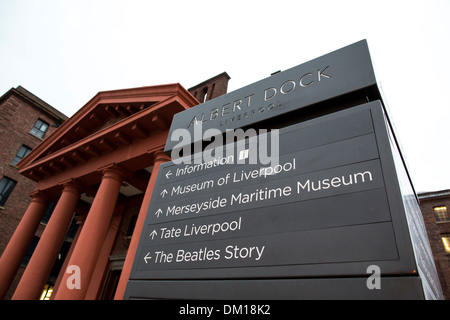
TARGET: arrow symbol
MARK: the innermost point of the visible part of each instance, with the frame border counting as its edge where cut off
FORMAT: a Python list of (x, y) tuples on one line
[(147, 257), (153, 234), (163, 193), (157, 213), (168, 174)]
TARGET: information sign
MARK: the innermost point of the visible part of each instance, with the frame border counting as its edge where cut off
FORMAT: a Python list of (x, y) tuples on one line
[(332, 205), (324, 210)]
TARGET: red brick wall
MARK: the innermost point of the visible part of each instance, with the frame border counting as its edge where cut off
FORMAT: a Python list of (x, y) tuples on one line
[(435, 231), (17, 117), (213, 87)]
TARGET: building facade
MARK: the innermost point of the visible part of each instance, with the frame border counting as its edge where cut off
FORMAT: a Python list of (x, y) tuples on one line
[(435, 210), (97, 173), (25, 121)]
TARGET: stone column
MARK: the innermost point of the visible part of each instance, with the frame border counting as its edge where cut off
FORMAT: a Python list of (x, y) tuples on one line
[(44, 256), (160, 158), (89, 244), (20, 241), (80, 223)]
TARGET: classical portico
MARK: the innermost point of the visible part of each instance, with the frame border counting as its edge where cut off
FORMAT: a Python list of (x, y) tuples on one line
[(99, 165)]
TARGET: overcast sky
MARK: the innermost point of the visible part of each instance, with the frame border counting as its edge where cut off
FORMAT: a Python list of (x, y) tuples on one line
[(65, 52)]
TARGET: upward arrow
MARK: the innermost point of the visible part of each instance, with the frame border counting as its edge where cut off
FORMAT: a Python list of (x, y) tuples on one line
[(157, 213), (163, 193), (153, 234)]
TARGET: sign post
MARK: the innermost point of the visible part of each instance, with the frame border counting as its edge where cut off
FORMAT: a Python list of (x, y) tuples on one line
[(314, 222)]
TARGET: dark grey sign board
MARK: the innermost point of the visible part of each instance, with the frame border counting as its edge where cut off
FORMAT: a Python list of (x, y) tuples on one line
[(309, 227), (336, 211), (333, 75)]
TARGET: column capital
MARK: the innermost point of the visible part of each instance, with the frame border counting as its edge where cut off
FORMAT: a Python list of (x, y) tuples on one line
[(71, 185), (38, 196), (114, 171), (160, 156)]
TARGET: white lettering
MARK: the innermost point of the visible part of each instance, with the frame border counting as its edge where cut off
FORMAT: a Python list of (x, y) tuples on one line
[(308, 83), (335, 182), (234, 252), (290, 86), (196, 310), (219, 202), (260, 195), (192, 187), (212, 228), (202, 254), (268, 97)]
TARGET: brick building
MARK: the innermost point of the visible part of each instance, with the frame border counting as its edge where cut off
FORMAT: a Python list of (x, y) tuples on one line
[(25, 121), (435, 210), (91, 183), (211, 88)]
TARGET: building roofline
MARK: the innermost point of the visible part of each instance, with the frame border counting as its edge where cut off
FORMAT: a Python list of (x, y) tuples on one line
[(42, 104), (35, 101), (433, 194)]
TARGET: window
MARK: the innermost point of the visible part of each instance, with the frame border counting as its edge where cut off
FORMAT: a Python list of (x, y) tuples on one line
[(446, 242), (46, 292), (6, 187), (39, 128), (24, 150), (441, 214), (205, 94)]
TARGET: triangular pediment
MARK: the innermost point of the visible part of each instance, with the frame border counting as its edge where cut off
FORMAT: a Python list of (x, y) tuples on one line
[(108, 120), (101, 117)]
